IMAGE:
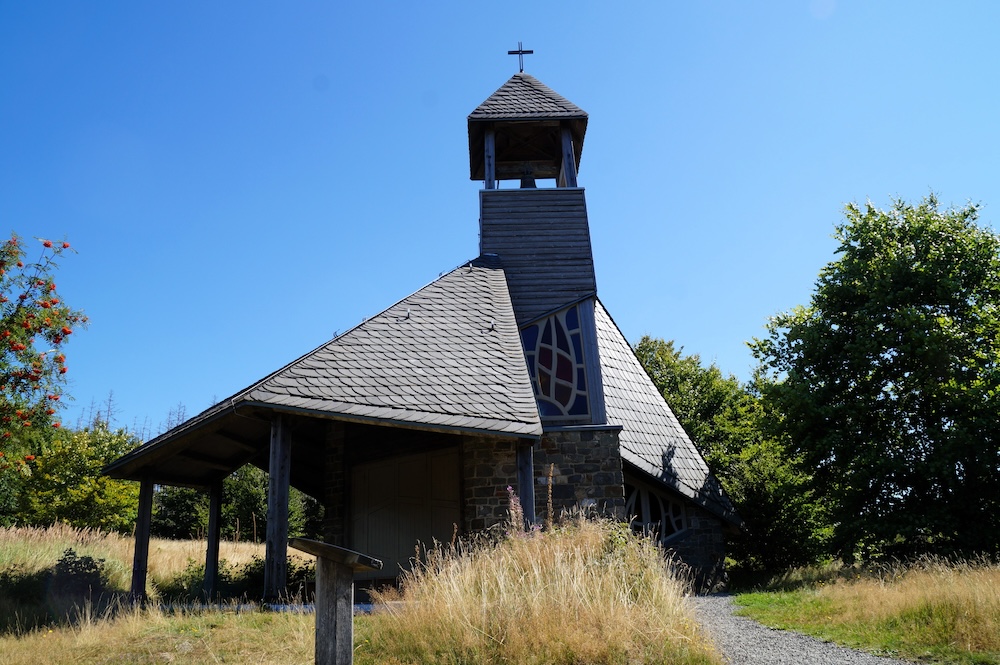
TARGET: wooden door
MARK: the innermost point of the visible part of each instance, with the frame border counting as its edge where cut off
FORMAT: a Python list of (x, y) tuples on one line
[(399, 502)]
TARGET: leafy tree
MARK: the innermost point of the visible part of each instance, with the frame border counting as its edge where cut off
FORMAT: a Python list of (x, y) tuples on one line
[(181, 512), (61, 481), (34, 324), (888, 383), (727, 421)]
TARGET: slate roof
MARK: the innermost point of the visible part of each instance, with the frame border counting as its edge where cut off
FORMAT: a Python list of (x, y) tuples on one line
[(447, 356), (651, 438), (525, 97)]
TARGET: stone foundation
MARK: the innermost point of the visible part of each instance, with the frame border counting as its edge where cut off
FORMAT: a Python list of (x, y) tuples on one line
[(586, 471), (701, 547)]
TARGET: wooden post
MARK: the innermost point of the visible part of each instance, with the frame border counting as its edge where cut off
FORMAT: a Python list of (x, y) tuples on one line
[(143, 523), (335, 568), (210, 584), (567, 173), (526, 479), (490, 155), (276, 546)]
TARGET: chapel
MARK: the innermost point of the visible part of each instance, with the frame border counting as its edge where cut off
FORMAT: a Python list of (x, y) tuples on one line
[(507, 374)]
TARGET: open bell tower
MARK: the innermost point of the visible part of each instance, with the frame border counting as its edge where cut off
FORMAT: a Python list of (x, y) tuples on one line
[(540, 235)]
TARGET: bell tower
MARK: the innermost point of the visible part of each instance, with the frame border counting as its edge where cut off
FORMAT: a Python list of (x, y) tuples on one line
[(540, 235)]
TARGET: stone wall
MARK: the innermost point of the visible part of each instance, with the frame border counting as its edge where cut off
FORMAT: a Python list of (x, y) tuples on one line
[(586, 471), (489, 467), (701, 547)]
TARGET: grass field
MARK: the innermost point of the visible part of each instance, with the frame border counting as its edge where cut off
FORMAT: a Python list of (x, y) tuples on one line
[(932, 610), (584, 592)]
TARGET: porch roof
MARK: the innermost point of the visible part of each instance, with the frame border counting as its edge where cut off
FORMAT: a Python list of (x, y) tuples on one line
[(447, 358)]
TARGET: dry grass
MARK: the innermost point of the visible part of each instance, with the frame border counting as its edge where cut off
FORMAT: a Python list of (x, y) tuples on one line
[(32, 549), (585, 592), (933, 608), (153, 636)]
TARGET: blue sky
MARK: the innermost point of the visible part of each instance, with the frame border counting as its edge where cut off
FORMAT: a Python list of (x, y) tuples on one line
[(243, 179)]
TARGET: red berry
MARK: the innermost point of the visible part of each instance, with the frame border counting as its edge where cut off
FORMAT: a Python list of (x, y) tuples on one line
[(65, 245), (47, 243)]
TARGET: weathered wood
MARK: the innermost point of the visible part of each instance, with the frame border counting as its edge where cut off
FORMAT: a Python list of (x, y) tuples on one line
[(210, 583), (276, 545), (526, 479), (335, 568), (356, 561), (592, 360), (567, 172), (490, 157), (143, 523)]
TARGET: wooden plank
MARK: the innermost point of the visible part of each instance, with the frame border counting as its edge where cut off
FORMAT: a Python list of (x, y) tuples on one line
[(209, 584), (276, 547), (143, 523), (334, 613), (356, 561), (592, 361), (490, 160)]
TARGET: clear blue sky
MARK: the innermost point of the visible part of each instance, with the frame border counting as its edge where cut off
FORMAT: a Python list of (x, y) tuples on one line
[(243, 179)]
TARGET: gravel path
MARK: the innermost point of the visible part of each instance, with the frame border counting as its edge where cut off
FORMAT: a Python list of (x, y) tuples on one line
[(746, 642)]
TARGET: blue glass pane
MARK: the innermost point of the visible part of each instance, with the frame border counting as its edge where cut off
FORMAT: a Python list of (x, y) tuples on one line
[(547, 333), (529, 338), (572, 318), (530, 358), (581, 380), (579, 407), (548, 408), (578, 347), (561, 340)]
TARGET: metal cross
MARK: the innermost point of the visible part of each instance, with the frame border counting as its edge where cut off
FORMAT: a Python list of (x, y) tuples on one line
[(520, 53)]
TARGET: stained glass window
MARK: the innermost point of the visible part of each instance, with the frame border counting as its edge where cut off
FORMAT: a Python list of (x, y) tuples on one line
[(652, 513), (553, 349)]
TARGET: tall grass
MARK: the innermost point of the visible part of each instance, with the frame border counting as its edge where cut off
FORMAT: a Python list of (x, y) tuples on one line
[(32, 549), (931, 608), (582, 592)]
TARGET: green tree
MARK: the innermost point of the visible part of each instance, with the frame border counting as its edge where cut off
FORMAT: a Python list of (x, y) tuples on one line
[(888, 383), (62, 482), (34, 325), (180, 512), (785, 525)]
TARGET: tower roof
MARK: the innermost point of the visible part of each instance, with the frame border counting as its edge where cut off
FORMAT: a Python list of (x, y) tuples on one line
[(524, 97), (527, 116)]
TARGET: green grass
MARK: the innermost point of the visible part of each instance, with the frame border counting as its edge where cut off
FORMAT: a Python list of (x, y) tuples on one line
[(932, 611)]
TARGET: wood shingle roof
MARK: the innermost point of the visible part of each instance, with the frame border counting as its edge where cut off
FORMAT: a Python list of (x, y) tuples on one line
[(524, 97)]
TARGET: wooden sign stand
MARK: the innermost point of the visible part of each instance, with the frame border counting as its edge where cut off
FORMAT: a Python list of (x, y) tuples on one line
[(335, 568)]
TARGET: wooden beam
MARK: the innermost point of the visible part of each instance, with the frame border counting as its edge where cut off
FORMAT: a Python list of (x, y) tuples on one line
[(207, 461), (568, 170), (526, 479), (279, 475), (210, 584), (143, 523), (238, 440), (490, 155)]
